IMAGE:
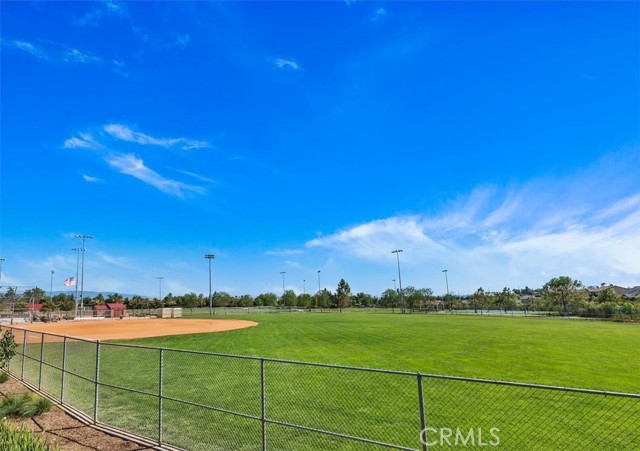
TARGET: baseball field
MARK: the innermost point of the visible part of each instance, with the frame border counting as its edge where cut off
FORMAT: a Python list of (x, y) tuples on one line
[(383, 407)]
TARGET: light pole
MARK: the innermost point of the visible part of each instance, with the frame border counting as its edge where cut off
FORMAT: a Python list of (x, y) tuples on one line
[(446, 279), (304, 286), (51, 286), (210, 257), (395, 288), (283, 273), (1, 260), (160, 291), (319, 282), (83, 237), (397, 252)]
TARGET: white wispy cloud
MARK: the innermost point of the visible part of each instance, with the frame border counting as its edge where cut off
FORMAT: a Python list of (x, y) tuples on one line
[(90, 179), (282, 63), (122, 262), (103, 9), (82, 141), (378, 14), (198, 177), (111, 143), (182, 40), (125, 133), (524, 233), (57, 53), (132, 165), (285, 252)]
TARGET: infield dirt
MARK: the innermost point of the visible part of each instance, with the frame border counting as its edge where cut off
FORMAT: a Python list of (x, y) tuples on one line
[(138, 328)]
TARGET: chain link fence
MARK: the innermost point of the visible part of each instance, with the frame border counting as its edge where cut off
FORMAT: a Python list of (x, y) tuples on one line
[(192, 400)]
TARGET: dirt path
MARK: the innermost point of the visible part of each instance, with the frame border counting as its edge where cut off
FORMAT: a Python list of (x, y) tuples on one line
[(138, 328)]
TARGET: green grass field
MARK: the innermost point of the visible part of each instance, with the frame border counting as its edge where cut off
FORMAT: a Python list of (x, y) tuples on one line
[(573, 353), (382, 407)]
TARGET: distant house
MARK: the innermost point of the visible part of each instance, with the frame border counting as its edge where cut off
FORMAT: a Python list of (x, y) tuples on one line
[(117, 309), (632, 293), (100, 310), (594, 291), (35, 307)]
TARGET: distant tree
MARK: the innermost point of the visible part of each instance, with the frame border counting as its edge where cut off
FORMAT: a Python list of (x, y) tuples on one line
[(246, 300), (221, 299), (323, 299), (389, 298), (189, 300), (115, 298), (450, 301), (99, 299), (506, 299), (608, 295), (479, 300), (289, 298), (343, 295), (561, 291), (64, 302), (266, 299), (305, 300), (363, 300)]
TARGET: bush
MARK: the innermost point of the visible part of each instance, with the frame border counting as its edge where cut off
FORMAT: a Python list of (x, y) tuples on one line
[(23, 405), (7, 349), (4, 377), (21, 438)]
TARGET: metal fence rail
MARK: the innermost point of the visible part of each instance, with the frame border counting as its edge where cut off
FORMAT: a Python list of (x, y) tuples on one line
[(203, 401)]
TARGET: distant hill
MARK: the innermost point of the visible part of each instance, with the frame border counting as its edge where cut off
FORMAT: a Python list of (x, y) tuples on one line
[(93, 294)]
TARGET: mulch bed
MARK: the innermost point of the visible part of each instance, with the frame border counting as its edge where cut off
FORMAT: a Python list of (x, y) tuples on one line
[(65, 431)]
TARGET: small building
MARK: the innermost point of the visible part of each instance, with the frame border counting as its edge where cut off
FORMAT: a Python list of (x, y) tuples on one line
[(117, 309)]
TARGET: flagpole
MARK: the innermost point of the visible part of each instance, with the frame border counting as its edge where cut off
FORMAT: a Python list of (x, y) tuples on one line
[(75, 295)]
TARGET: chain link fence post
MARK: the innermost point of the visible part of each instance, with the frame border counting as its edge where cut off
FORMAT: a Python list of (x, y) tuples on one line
[(423, 421), (264, 407), (96, 382), (160, 397), (41, 357), (64, 368), (24, 353)]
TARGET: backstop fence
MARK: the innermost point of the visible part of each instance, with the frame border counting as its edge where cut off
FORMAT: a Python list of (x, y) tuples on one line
[(180, 399)]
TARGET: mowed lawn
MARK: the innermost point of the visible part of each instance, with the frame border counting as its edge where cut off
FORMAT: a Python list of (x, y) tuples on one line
[(567, 352)]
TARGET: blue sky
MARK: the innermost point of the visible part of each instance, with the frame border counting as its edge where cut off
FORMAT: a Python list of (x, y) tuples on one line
[(497, 140)]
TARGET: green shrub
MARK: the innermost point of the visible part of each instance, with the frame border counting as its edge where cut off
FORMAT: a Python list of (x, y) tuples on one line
[(12, 438), (4, 377), (23, 405), (7, 349)]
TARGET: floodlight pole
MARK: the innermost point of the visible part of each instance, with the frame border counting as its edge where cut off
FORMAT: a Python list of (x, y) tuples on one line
[(304, 286), (1, 260), (397, 252), (446, 279), (210, 257), (160, 291), (51, 286)]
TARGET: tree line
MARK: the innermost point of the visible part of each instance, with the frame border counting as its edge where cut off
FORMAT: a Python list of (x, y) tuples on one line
[(562, 295)]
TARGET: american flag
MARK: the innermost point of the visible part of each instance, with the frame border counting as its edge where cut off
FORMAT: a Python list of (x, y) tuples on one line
[(69, 281)]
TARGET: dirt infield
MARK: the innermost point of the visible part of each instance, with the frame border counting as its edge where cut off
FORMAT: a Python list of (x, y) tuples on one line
[(138, 328)]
